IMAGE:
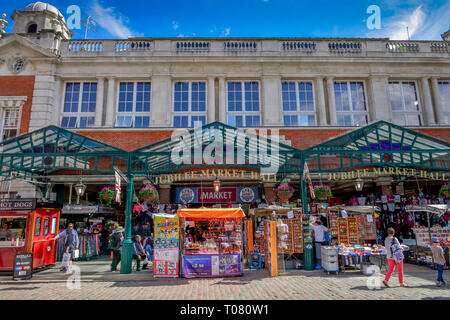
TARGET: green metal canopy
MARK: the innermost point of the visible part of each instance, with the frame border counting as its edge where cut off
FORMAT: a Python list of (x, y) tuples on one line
[(51, 149), (379, 144), (230, 142)]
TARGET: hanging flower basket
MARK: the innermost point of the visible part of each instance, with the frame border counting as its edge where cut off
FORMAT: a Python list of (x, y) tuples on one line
[(284, 193), (322, 192), (149, 194), (445, 190), (106, 196)]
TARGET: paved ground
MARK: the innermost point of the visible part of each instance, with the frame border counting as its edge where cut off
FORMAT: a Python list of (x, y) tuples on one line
[(97, 283)]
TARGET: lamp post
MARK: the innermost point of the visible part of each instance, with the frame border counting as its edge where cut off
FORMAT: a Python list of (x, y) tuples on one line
[(80, 188), (359, 184)]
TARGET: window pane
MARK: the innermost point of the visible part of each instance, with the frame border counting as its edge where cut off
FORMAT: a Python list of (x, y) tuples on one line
[(344, 120), (306, 96), (125, 97), (142, 122), (444, 90), (200, 119), (307, 120), (124, 122), (357, 93), (398, 118), (72, 97), (86, 122), (235, 121), (359, 120), (181, 121), (341, 96), (199, 96), (46, 226), (410, 96), (143, 93), (252, 121), (234, 96), (396, 96), (89, 97), (181, 97), (54, 220), (290, 121), (289, 96), (413, 120), (37, 227), (69, 122), (251, 96)]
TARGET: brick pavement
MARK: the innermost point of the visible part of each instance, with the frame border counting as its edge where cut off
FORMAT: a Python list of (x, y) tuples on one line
[(98, 284)]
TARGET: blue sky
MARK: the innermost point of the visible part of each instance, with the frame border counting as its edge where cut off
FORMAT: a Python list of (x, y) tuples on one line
[(426, 19)]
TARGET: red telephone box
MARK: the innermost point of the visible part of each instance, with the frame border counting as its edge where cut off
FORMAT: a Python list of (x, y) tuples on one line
[(28, 231)]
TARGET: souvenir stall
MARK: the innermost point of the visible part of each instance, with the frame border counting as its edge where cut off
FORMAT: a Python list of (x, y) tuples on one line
[(289, 242), (435, 226), (352, 233), (211, 242)]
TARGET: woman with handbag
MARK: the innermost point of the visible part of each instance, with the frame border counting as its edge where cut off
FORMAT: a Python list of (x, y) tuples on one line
[(394, 253)]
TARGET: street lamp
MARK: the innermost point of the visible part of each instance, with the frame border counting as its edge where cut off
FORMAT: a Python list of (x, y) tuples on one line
[(217, 185), (359, 184), (79, 189)]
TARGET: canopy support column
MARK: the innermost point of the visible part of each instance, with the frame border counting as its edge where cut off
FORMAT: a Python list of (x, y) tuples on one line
[(127, 248)]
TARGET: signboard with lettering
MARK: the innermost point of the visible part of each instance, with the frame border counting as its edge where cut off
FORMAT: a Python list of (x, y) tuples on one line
[(212, 265), (225, 195), (17, 204), (166, 244), (23, 266)]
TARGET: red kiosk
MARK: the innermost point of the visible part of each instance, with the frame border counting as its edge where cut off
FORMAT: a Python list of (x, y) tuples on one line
[(28, 231)]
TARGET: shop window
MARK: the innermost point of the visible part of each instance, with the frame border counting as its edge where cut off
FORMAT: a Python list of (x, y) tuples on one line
[(79, 105), (54, 220), (351, 106), (37, 227), (134, 105), (405, 103), (189, 104), (46, 226), (243, 104), (13, 228), (298, 103)]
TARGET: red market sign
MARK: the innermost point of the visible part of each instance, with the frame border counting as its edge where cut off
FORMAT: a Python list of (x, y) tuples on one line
[(225, 195)]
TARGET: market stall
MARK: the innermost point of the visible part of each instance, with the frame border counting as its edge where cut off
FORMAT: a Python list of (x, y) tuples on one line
[(420, 251), (211, 242)]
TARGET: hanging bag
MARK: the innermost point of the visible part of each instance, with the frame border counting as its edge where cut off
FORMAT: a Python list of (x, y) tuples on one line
[(66, 260), (396, 250)]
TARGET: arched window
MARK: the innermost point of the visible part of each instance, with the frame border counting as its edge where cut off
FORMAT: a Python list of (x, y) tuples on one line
[(32, 28)]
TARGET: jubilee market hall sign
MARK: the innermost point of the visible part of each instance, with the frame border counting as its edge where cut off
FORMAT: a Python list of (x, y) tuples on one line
[(387, 171)]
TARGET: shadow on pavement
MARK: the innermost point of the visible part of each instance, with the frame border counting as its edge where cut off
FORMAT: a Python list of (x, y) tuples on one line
[(151, 283), (18, 288)]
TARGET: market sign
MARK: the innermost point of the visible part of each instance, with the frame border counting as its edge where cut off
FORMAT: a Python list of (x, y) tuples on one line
[(387, 171), (225, 195), (17, 204), (213, 174), (211, 265)]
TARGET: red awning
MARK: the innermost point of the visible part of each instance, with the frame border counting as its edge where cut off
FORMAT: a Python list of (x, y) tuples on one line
[(211, 213)]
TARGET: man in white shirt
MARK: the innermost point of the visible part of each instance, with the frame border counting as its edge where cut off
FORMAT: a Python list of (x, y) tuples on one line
[(319, 238)]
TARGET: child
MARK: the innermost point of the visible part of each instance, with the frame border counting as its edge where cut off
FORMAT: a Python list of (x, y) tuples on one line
[(439, 260)]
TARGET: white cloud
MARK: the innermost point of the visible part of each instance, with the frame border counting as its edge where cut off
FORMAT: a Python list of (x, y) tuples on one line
[(422, 24), (175, 25), (110, 20), (226, 32)]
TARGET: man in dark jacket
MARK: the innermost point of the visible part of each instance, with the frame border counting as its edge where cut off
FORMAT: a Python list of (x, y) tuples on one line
[(116, 247), (139, 253)]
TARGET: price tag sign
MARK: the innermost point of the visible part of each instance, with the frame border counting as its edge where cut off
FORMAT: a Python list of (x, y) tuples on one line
[(23, 266), (290, 214)]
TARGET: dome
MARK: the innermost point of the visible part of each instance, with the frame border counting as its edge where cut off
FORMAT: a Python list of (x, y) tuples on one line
[(41, 6)]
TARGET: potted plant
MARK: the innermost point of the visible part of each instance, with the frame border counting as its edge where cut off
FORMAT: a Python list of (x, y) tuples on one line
[(322, 192), (284, 192), (149, 194), (445, 189), (106, 196)]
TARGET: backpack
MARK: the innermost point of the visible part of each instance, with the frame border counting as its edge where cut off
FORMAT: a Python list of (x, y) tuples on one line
[(70, 240), (396, 250)]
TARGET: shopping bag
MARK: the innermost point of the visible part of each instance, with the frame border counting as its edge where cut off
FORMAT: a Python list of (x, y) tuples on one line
[(146, 261), (66, 260), (76, 253)]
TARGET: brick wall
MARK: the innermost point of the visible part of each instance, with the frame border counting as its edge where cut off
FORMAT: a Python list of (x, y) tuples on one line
[(301, 139), (19, 86)]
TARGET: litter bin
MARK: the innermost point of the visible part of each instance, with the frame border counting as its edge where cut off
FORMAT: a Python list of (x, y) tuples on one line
[(308, 254)]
